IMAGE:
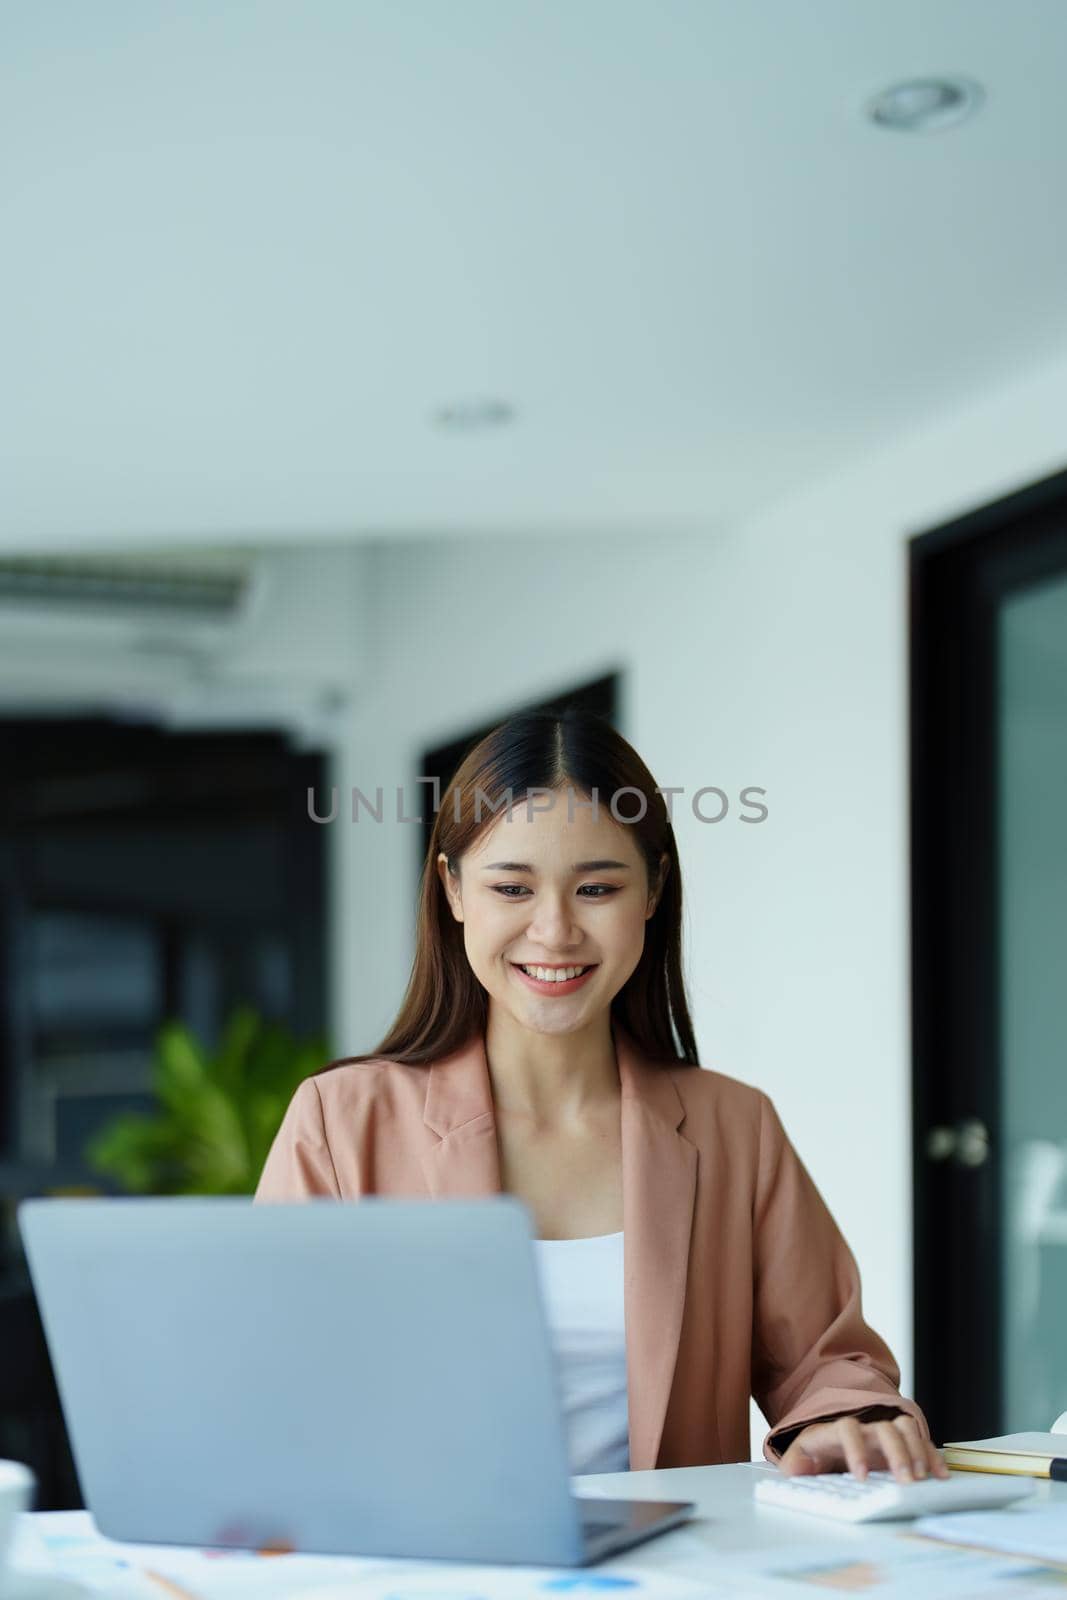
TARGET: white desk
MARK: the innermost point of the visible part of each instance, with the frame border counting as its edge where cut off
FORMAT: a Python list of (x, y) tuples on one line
[(729, 1520), (727, 1523)]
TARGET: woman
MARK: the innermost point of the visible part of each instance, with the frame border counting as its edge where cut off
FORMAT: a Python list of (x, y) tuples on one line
[(544, 1048)]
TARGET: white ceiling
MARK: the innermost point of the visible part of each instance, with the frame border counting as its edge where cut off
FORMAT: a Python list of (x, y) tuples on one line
[(249, 247)]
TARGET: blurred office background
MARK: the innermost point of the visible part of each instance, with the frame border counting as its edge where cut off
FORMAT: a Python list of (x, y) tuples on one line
[(373, 370)]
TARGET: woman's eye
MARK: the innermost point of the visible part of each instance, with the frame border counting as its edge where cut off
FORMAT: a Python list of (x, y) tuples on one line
[(600, 890)]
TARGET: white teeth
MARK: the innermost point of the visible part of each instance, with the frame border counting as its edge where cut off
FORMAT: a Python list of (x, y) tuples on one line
[(548, 975)]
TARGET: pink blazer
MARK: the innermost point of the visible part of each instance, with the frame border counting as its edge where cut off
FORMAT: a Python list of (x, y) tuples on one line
[(736, 1278)]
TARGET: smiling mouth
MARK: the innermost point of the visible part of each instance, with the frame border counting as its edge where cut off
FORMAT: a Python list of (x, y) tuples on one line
[(575, 970)]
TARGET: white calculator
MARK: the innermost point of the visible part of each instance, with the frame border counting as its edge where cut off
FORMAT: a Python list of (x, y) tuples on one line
[(880, 1498)]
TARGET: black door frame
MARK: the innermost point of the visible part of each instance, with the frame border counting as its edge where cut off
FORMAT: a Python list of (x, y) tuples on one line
[(959, 574)]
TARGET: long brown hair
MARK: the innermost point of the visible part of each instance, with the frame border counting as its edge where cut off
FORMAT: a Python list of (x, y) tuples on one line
[(444, 1003)]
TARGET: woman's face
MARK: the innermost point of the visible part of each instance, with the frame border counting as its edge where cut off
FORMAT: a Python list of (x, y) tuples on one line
[(545, 890)]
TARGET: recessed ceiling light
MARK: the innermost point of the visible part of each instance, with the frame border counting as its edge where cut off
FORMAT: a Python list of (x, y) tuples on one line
[(467, 416), (925, 105)]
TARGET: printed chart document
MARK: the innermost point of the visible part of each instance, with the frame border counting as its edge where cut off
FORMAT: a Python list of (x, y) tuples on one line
[(1039, 1531), (66, 1545), (888, 1567), (435, 1582)]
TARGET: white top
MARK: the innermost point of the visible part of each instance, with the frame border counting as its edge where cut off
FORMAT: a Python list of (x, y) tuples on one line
[(582, 1286)]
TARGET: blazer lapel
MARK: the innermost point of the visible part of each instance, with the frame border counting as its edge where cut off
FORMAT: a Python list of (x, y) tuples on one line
[(459, 1109), (659, 1174), (659, 1171)]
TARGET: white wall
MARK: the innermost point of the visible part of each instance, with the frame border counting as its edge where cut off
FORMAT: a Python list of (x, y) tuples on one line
[(775, 656)]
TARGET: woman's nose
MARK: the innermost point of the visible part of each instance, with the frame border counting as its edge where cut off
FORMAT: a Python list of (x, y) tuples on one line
[(552, 923)]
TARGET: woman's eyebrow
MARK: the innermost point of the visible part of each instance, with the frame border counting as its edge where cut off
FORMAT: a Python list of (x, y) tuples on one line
[(579, 866)]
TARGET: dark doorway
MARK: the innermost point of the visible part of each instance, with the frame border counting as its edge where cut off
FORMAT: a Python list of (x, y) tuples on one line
[(145, 875), (988, 707)]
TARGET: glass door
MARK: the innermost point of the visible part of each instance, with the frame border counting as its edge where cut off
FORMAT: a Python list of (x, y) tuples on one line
[(988, 783), (1032, 868)]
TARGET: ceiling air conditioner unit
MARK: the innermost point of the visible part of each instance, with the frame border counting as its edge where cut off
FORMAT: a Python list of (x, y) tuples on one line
[(180, 603), (254, 636)]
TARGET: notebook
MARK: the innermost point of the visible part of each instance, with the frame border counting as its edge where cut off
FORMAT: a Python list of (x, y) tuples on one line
[(1039, 1455)]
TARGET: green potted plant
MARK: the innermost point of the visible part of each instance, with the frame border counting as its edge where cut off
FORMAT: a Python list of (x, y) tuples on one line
[(218, 1112)]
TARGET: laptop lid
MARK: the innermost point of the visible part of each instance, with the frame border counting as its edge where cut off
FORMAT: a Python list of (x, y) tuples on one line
[(367, 1377)]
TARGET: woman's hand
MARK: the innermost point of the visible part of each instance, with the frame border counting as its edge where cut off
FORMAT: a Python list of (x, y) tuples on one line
[(846, 1444)]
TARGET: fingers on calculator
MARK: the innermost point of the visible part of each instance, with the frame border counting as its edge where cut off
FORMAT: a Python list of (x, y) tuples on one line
[(881, 1497)]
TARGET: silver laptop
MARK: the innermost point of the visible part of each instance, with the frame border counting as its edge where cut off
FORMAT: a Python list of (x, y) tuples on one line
[(370, 1377)]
